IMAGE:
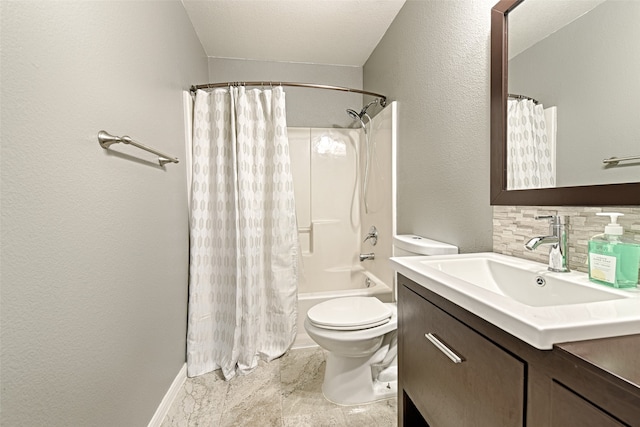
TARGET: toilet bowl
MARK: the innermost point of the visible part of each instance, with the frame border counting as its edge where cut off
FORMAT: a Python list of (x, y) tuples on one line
[(360, 336)]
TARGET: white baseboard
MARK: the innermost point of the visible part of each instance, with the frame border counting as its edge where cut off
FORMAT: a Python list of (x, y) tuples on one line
[(169, 397)]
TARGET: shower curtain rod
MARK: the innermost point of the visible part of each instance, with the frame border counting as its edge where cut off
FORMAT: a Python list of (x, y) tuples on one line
[(515, 96), (383, 99)]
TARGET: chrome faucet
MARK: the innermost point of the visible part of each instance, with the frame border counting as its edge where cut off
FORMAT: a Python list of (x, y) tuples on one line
[(373, 235), (557, 239), (364, 257)]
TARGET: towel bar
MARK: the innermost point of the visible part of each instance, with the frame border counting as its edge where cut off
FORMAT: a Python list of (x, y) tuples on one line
[(613, 161), (106, 140)]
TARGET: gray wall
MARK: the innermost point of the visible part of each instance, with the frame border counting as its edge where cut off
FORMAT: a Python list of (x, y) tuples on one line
[(590, 70), (94, 245), (434, 60), (305, 107)]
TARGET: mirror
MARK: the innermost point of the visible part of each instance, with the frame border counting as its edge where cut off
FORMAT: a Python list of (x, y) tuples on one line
[(592, 182)]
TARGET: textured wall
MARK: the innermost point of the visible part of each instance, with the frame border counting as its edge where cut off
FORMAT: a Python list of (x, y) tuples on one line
[(94, 244), (515, 225), (305, 107), (434, 60)]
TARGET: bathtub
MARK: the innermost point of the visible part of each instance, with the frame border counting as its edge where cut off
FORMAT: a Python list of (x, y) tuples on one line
[(364, 285)]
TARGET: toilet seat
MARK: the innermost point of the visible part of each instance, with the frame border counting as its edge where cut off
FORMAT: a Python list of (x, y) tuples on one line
[(349, 314)]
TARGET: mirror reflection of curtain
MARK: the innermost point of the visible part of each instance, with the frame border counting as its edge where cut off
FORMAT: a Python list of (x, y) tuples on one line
[(530, 149)]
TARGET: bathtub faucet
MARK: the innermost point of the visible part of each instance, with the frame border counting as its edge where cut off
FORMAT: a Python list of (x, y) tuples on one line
[(364, 257)]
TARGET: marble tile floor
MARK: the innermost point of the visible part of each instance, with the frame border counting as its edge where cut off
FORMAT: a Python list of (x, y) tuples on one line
[(285, 393)]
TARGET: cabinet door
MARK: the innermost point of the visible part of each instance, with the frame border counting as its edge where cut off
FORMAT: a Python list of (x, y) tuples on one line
[(485, 389), (570, 410)]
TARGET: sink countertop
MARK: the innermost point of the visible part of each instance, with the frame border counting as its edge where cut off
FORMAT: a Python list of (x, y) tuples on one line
[(615, 356), (540, 326)]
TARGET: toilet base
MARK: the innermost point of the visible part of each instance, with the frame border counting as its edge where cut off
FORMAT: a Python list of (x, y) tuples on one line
[(349, 381)]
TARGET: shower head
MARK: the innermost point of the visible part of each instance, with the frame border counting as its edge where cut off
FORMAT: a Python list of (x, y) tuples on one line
[(353, 114), (363, 113)]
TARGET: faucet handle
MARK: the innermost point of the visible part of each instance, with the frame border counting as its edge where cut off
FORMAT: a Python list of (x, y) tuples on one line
[(373, 235)]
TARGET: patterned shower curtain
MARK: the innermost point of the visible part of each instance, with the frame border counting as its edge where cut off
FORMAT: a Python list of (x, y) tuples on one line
[(244, 241), (529, 152)]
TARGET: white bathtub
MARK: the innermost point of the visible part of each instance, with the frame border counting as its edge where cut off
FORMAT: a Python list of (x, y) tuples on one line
[(307, 300)]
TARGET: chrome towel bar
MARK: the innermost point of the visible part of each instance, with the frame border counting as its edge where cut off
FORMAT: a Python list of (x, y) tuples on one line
[(106, 140), (613, 161)]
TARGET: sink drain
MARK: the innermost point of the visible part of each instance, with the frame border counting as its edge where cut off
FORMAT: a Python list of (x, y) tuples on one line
[(540, 281)]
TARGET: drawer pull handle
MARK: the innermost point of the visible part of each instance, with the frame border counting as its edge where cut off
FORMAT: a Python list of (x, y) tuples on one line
[(443, 348)]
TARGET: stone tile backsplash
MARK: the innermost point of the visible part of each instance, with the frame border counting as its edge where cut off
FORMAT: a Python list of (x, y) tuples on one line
[(513, 226)]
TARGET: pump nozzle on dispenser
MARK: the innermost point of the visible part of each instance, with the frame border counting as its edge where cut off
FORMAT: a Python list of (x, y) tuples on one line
[(613, 227), (614, 260)]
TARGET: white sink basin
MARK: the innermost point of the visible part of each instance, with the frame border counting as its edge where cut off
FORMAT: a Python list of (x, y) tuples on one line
[(525, 299)]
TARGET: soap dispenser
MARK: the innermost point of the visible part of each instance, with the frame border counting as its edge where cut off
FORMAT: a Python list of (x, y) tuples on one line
[(613, 259)]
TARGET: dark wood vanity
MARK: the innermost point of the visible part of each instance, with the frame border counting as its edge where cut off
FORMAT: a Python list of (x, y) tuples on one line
[(503, 381)]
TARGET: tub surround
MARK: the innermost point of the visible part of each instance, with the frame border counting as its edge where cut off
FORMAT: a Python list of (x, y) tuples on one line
[(324, 163), (328, 165)]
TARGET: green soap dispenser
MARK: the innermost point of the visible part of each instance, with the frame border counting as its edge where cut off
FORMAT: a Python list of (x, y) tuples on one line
[(613, 259)]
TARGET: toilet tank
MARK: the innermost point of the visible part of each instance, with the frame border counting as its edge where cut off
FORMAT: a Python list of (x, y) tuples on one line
[(413, 245)]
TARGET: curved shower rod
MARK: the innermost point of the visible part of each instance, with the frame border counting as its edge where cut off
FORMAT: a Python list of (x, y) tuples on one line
[(516, 96), (383, 99)]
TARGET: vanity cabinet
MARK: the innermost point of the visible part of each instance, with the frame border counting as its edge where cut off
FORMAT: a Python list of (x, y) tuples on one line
[(499, 380), (479, 384), (571, 410)]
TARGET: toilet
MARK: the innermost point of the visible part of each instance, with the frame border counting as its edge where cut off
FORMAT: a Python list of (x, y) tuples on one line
[(360, 336)]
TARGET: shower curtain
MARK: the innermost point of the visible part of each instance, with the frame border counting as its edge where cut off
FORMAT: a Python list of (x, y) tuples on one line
[(244, 240), (529, 152)]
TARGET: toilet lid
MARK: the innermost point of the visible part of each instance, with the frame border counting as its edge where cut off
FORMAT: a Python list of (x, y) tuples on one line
[(350, 313)]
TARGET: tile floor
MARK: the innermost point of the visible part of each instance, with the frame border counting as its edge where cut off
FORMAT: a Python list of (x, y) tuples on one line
[(285, 393)]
